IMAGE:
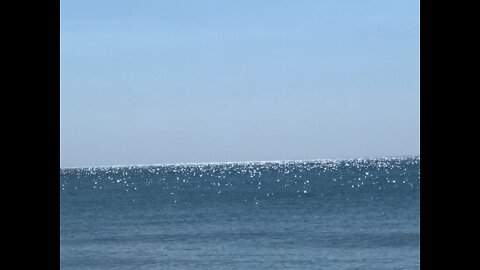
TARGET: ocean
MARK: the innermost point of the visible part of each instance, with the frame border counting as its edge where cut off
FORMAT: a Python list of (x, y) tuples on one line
[(313, 214)]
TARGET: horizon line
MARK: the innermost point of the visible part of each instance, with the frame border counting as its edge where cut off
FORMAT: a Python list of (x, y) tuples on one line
[(236, 162)]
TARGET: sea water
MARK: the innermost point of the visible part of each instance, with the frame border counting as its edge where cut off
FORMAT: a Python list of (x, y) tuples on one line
[(318, 214)]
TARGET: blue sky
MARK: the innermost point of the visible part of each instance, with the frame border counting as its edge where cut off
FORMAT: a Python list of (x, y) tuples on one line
[(147, 82)]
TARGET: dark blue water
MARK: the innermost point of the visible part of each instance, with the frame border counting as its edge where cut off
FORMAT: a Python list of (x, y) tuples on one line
[(344, 214)]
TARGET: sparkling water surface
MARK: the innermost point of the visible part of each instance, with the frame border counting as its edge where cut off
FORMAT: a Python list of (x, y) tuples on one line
[(320, 214)]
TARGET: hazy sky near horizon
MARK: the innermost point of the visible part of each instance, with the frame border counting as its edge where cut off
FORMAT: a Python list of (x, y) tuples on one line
[(148, 82)]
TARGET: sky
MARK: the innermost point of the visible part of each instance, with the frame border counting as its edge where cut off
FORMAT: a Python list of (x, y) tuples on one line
[(183, 81)]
